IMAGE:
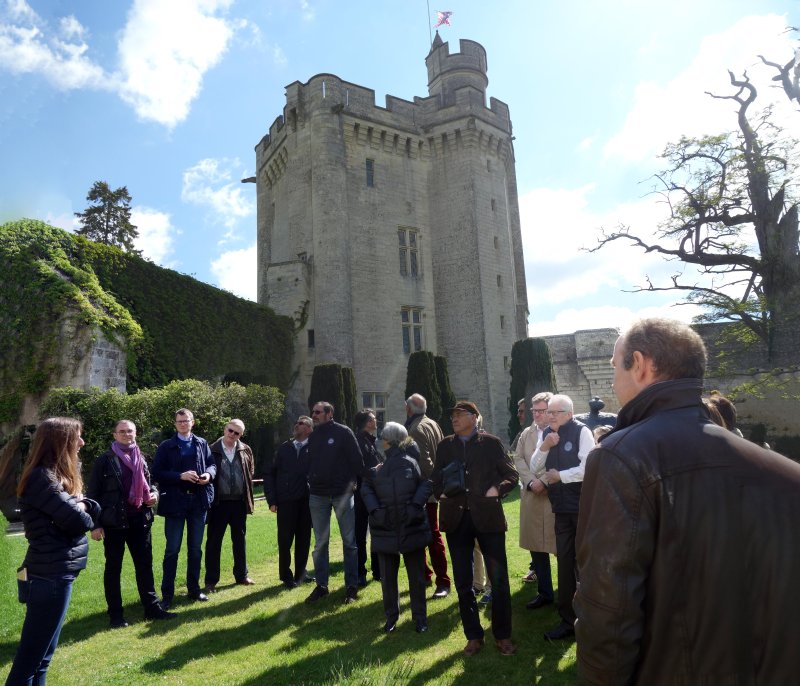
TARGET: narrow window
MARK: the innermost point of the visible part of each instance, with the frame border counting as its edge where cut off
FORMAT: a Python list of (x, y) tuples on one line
[(502, 322), (411, 322), (496, 243), (499, 281), (505, 362), (488, 165), (370, 173), (494, 205), (311, 338), (408, 242), (377, 402)]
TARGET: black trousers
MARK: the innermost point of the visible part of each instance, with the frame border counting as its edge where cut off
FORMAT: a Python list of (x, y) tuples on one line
[(226, 513), (294, 525), (362, 526), (566, 527), (460, 542), (415, 568), (137, 538)]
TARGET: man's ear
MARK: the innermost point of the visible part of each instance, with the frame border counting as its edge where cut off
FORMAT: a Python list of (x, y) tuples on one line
[(644, 369)]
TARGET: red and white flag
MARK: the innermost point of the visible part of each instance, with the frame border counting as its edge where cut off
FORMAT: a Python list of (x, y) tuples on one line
[(443, 18)]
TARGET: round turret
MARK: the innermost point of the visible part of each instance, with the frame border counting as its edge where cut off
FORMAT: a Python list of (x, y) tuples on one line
[(448, 73)]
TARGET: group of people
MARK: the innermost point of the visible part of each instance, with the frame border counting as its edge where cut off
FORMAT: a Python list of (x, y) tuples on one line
[(675, 538)]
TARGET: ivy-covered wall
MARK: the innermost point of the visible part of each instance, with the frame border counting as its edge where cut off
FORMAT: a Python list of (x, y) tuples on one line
[(172, 326)]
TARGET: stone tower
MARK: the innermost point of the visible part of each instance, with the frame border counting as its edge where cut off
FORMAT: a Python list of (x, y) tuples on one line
[(385, 230)]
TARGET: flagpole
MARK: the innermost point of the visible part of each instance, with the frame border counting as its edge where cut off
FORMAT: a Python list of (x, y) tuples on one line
[(430, 35)]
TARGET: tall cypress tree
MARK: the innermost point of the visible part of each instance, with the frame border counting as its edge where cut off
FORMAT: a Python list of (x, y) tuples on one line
[(327, 385), (350, 396), (448, 398), (531, 373), (421, 378)]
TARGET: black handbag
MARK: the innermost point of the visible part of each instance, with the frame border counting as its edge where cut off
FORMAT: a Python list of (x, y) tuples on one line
[(453, 479)]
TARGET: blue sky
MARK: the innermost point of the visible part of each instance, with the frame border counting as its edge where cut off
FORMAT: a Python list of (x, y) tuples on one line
[(169, 97)]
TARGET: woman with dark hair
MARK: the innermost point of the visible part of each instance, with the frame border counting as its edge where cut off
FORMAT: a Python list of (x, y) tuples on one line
[(56, 518), (365, 425), (395, 497)]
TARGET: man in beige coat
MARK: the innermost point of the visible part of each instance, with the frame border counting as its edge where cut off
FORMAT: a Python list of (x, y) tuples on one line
[(536, 518)]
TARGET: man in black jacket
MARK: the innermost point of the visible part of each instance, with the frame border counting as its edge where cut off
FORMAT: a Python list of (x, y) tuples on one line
[(286, 490), (334, 464), (687, 537), (120, 482), (476, 513)]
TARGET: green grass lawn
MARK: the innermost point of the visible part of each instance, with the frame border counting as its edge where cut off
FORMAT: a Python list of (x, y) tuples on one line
[(264, 634)]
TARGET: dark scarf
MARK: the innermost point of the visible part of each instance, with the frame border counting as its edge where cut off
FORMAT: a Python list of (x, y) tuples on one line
[(131, 457)]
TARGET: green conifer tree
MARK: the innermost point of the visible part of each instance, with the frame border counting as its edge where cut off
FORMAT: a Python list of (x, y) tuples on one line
[(531, 373), (421, 378), (327, 385)]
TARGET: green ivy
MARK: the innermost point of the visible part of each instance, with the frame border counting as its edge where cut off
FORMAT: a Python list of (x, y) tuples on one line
[(171, 325)]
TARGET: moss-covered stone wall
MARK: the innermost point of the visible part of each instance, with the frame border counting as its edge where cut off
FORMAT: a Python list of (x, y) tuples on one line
[(171, 325)]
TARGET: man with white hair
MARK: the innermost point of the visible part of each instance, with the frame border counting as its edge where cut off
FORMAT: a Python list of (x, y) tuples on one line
[(233, 501), (427, 434), (566, 443)]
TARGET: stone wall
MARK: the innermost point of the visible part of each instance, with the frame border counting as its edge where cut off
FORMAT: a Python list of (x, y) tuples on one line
[(581, 363)]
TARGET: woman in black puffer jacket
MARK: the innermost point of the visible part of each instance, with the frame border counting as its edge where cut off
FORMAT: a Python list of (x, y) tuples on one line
[(56, 517), (395, 498)]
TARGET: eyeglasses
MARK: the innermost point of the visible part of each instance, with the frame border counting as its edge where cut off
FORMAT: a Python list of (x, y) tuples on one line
[(234, 432), (539, 411), (184, 421), (318, 412), (553, 413)]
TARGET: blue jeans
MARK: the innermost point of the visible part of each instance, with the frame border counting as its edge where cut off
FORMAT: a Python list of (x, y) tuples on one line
[(320, 506), (48, 600), (195, 521)]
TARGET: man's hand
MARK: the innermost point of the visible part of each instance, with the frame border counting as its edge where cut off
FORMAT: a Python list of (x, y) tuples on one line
[(98, 534), (273, 508), (190, 476), (550, 441), (204, 479), (492, 492), (552, 476), (538, 487), (151, 499)]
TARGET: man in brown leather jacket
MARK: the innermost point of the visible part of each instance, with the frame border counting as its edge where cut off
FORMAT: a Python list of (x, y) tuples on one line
[(476, 513), (688, 546)]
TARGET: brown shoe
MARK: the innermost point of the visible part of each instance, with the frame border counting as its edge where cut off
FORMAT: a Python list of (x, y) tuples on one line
[(473, 646), (247, 581), (506, 647)]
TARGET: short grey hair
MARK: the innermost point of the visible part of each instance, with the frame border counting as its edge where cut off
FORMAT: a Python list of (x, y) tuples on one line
[(565, 401), (417, 403), (394, 433), (239, 424)]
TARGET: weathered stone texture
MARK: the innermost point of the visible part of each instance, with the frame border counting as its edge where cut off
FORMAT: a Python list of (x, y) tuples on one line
[(328, 241), (582, 366)]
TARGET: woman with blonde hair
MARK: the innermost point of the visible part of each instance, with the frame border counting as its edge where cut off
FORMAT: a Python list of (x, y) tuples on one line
[(56, 518)]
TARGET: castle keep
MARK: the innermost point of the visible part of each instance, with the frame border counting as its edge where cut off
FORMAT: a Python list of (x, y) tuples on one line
[(385, 230)]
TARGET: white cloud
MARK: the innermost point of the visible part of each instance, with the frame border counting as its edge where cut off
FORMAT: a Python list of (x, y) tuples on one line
[(236, 272), (27, 48), (71, 27), (66, 220), (213, 184), (307, 10), (663, 112), (156, 234), (279, 58), (165, 50)]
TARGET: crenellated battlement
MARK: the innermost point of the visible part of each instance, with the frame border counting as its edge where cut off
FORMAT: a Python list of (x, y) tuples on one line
[(460, 84)]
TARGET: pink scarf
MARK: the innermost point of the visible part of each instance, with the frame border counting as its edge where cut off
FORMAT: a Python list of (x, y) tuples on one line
[(131, 457)]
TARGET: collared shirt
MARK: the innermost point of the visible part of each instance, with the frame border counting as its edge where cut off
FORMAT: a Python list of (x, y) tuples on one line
[(574, 474), (298, 445)]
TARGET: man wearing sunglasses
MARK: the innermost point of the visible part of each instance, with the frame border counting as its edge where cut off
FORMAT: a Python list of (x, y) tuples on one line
[(566, 443), (233, 501)]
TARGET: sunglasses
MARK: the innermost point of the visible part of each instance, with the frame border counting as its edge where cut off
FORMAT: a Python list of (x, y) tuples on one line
[(233, 431)]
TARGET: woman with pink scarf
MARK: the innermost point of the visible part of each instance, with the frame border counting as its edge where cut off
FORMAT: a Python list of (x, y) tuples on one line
[(120, 482)]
